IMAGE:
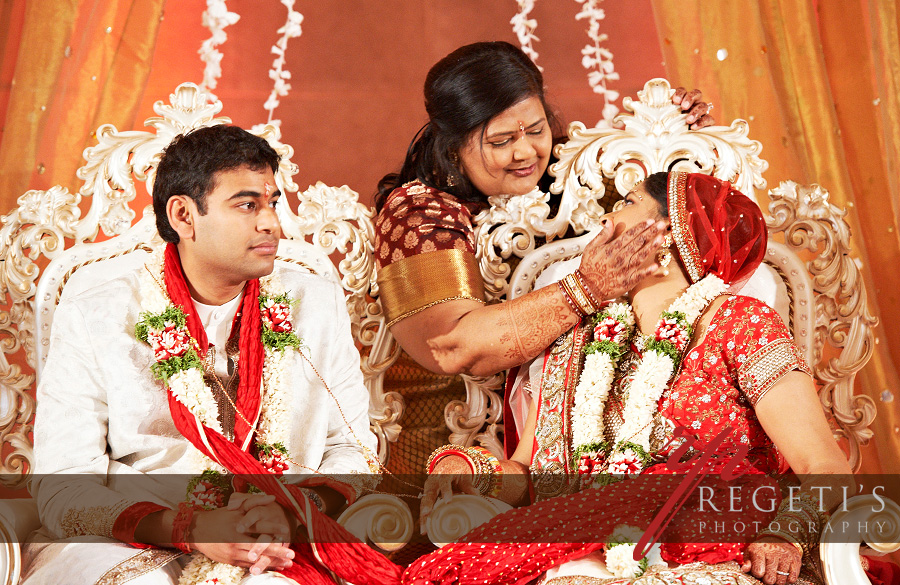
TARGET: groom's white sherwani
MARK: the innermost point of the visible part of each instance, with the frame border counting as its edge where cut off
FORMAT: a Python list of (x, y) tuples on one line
[(105, 442)]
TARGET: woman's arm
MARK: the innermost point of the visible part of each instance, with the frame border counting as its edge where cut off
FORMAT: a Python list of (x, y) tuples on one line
[(791, 414), (464, 336)]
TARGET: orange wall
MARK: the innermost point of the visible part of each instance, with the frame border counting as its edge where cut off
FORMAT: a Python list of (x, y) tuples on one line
[(358, 69)]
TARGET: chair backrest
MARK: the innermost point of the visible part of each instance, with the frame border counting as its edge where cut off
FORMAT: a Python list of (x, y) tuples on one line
[(822, 299), (329, 224)]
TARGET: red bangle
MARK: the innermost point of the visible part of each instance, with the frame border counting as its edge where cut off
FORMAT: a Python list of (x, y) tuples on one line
[(446, 451), (181, 525)]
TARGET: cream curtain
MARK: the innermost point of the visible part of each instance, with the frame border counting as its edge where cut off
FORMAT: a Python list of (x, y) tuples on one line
[(819, 84), (79, 63)]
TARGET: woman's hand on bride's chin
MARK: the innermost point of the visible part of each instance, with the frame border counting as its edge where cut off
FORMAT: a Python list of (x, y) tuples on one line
[(613, 263), (451, 474)]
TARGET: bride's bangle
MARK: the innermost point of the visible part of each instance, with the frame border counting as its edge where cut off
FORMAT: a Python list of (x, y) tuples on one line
[(446, 451), (483, 464)]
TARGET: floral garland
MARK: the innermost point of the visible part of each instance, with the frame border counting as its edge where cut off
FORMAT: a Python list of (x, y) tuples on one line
[(524, 28), (619, 550), (163, 326), (598, 60), (595, 458)]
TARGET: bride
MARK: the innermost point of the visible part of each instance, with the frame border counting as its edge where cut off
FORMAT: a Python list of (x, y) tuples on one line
[(677, 368)]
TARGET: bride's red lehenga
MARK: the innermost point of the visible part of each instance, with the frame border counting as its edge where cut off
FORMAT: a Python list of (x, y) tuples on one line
[(746, 350)]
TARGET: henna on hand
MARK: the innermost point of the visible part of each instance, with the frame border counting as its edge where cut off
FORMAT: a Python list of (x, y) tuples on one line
[(698, 111), (611, 266), (769, 559), (533, 322)]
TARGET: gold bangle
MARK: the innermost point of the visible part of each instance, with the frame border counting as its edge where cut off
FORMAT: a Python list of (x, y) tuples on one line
[(570, 300), (587, 289), (572, 286), (489, 478)]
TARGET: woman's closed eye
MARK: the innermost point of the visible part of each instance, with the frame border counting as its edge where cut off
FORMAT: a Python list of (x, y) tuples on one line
[(506, 142)]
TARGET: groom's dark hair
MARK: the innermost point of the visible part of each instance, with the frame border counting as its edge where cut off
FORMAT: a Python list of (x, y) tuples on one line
[(189, 165)]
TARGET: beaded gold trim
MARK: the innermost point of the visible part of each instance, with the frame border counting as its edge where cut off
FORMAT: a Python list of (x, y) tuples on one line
[(728, 573), (681, 232), (767, 365)]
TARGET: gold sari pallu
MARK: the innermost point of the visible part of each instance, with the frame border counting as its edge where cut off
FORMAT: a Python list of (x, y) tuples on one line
[(416, 283)]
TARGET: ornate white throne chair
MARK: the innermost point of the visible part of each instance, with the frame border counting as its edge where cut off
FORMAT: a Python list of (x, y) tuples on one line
[(822, 300), (330, 223)]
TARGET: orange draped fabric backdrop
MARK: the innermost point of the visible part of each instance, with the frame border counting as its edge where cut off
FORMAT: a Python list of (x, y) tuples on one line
[(820, 83)]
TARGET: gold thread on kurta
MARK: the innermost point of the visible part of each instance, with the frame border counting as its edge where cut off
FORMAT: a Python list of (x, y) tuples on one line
[(140, 564), (96, 520)]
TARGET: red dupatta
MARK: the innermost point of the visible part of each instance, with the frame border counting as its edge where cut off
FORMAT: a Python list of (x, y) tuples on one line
[(331, 547)]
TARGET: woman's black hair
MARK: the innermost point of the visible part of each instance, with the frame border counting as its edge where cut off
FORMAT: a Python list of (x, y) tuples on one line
[(657, 186), (463, 92)]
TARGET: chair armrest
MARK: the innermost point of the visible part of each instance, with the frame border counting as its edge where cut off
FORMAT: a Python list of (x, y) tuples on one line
[(18, 519), (840, 560), (381, 520), (451, 520)]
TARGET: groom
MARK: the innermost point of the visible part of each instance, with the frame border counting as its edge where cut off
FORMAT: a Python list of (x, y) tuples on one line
[(202, 361)]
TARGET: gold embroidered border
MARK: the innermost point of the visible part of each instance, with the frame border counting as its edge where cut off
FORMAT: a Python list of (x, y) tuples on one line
[(96, 520), (728, 573), (681, 230), (424, 280), (140, 564), (767, 365), (561, 372)]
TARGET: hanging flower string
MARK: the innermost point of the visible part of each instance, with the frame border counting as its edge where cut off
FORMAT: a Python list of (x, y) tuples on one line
[(598, 60), (278, 73), (524, 28), (216, 17)]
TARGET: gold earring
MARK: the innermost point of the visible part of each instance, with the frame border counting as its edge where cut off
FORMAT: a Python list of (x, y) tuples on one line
[(452, 177), (664, 256)]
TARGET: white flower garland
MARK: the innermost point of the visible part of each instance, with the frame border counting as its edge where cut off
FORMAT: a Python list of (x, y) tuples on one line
[(216, 17), (524, 28), (598, 373), (620, 553), (598, 60), (203, 571), (630, 452)]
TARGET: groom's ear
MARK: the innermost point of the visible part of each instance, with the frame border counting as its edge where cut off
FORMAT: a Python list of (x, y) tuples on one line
[(182, 213)]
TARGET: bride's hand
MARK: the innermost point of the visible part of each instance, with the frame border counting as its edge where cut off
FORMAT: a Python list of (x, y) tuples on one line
[(452, 473), (773, 561)]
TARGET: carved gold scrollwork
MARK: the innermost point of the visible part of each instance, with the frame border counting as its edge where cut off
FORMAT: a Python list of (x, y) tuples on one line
[(843, 320), (655, 138), (333, 220)]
